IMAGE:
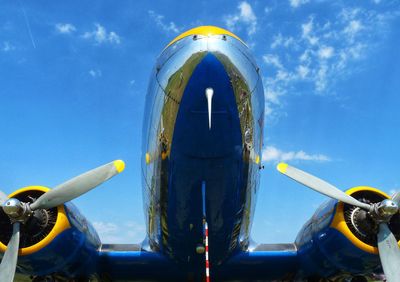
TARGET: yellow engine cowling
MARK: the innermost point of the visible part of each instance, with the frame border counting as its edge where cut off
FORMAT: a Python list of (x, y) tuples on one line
[(57, 240), (341, 239)]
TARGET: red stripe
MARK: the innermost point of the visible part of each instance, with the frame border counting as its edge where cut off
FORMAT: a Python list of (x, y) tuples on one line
[(206, 252)]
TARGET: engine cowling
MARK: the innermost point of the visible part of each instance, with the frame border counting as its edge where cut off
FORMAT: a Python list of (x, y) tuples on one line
[(341, 239), (57, 240)]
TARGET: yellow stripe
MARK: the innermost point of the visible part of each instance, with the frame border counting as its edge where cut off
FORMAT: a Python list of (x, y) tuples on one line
[(62, 224), (340, 224), (206, 30)]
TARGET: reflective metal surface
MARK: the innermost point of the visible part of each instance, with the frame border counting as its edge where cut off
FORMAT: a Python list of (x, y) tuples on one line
[(169, 80), (13, 207), (387, 208)]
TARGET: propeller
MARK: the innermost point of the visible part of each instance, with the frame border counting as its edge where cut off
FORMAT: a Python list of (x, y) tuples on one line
[(9, 261), (320, 185), (396, 198), (3, 198), (20, 213), (389, 251)]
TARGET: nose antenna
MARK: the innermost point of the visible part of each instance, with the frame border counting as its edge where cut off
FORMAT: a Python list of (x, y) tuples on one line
[(209, 95)]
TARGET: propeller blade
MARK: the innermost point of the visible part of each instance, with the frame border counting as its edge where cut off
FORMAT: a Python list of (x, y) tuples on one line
[(3, 198), (9, 262), (396, 198), (78, 186), (319, 185), (389, 253)]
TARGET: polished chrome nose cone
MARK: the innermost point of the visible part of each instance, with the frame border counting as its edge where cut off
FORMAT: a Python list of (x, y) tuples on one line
[(387, 208), (13, 207)]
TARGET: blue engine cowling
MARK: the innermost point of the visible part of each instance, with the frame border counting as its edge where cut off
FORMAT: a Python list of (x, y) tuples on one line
[(61, 241), (339, 240)]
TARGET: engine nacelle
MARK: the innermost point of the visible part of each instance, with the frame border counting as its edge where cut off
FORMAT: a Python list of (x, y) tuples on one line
[(58, 240), (341, 239)]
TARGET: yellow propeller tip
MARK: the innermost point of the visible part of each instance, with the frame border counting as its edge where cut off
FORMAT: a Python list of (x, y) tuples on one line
[(282, 167), (119, 165)]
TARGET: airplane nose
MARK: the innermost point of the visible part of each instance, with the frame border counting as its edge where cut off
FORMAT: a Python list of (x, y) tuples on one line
[(207, 123)]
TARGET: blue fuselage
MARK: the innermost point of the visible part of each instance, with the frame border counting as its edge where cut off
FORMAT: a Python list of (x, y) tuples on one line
[(181, 153)]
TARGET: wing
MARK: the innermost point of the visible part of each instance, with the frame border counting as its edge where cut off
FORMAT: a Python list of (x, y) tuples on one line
[(264, 261)]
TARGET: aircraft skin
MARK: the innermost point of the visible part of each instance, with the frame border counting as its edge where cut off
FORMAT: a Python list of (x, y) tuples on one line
[(201, 161)]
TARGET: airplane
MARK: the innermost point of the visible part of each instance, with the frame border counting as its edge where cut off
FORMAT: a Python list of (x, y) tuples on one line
[(201, 162)]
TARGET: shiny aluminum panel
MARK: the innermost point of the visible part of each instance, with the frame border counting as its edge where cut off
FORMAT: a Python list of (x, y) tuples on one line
[(172, 60), (168, 82)]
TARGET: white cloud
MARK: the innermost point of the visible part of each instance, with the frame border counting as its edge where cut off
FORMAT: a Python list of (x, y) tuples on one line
[(273, 154), (65, 28), (100, 35), (279, 40), (297, 3), (272, 95), (303, 71), (321, 78), (95, 73), (7, 47), (159, 20), (114, 38), (105, 227), (272, 59), (325, 52), (125, 233), (245, 16), (319, 52), (307, 27), (352, 29)]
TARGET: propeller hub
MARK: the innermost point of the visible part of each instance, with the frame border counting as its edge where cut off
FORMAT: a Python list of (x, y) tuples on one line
[(387, 208), (13, 208)]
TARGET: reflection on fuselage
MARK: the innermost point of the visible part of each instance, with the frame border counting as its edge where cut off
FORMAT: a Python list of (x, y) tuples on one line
[(180, 151)]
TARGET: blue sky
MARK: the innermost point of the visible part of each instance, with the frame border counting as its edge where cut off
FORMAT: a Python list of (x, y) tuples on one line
[(74, 76)]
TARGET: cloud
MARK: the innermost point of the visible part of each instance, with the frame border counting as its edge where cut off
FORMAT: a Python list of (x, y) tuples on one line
[(297, 3), (325, 52), (159, 20), (308, 31), (273, 60), (122, 233), (245, 15), (95, 73), (7, 47), (273, 154), (319, 51), (65, 28), (100, 35), (279, 41), (303, 71)]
